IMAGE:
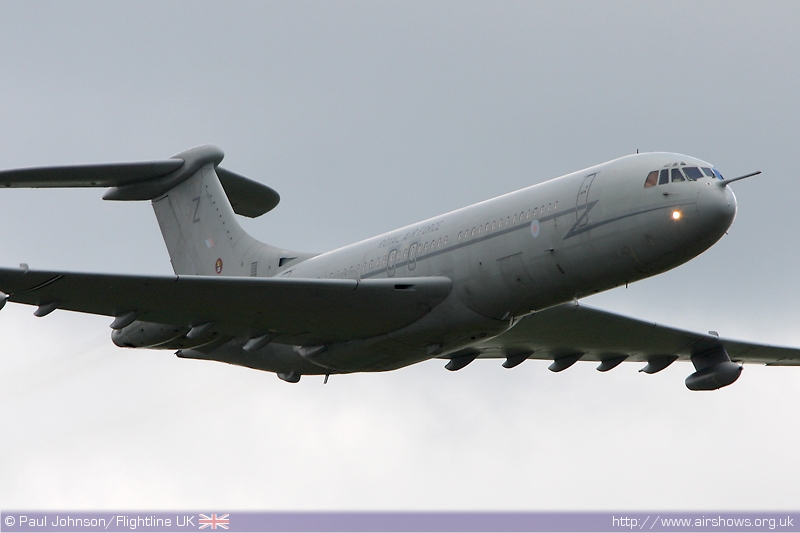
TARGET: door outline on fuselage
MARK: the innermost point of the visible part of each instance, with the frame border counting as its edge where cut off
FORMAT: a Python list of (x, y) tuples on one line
[(582, 201), (412, 256), (391, 262)]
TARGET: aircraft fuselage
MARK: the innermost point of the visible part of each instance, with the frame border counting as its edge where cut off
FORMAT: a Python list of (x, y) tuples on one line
[(525, 251)]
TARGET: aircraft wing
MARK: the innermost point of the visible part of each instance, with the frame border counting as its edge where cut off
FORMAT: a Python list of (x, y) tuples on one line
[(297, 311), (571, 329)]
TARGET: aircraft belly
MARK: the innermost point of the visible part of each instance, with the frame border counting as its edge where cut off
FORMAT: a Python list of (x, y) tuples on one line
[(448, 328), (278, 358)]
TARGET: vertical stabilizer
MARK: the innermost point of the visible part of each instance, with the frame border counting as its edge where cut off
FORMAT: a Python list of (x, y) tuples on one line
[(200, 228), (194, 208)]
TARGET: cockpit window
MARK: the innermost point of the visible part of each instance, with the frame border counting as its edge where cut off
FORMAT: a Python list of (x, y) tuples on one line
[(675, 173), (693, 173), (717, 174)]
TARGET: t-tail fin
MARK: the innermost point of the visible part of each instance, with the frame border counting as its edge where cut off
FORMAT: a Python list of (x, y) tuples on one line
[(201, 231), (194, 201)]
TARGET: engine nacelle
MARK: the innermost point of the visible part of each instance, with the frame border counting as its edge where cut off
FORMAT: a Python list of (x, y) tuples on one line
[(141, 334), (714, 377)]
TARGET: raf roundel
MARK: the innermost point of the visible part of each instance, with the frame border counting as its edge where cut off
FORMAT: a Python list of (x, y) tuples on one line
[(535, 228), (218, 266)]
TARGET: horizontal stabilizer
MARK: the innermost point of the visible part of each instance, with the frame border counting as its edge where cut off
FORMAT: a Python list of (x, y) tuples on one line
[(248, 198), (146, 180), (290, 310), (102, 175)]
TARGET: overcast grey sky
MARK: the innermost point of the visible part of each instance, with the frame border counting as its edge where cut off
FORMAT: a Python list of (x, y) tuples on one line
[(367, 116)]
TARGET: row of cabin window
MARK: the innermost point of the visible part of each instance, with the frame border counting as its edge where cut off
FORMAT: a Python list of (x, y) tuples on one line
[(462, 235), (691, 173), (509, 220), (421, 249)]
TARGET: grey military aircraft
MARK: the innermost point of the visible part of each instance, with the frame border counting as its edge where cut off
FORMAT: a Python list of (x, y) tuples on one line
[(498, 279)]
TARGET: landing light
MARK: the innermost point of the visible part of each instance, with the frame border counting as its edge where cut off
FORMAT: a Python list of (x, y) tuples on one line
[(676, 215)]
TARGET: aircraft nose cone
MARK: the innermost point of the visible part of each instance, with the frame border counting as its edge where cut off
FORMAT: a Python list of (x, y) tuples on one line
[(717, 207)]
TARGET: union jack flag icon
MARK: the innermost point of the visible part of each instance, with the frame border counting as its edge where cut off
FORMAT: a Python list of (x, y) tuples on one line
[(214, 521)]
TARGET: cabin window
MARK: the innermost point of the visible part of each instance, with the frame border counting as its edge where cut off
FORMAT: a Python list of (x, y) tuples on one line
[(474, 232), (535, 211), (494, 224), (487, 227), (652, 179), (514, 221), (480, 228), (664, 177), (693, 173), (445, 240), (370, 264), (677, 176), (555, 206)]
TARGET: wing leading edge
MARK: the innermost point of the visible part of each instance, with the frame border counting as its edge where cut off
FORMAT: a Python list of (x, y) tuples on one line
[(296, 311), (570, 332)]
